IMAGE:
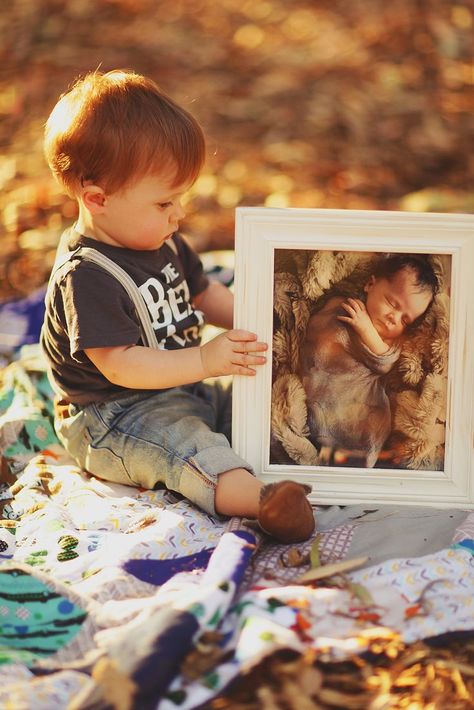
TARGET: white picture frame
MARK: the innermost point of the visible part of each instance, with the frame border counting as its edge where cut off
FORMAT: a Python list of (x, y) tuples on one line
[(260, 235)]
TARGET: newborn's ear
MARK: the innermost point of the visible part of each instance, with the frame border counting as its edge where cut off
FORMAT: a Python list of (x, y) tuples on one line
[(369, 283), (307, 488)]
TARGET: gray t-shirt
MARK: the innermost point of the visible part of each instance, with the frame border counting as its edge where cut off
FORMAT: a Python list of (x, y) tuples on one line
[(86, 307)]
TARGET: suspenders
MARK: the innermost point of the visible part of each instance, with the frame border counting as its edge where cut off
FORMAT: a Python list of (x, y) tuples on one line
[(90, 254)]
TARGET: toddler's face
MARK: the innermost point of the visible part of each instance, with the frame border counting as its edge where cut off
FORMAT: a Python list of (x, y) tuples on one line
[(144, 214), (393, 304)]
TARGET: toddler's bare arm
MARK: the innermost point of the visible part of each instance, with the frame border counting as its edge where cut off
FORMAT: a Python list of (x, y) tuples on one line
[(235, 352), (217, 304)]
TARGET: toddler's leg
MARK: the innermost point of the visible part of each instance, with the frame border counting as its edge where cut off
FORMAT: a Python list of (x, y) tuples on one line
[(281, 509), (164, 438), (238, 493)]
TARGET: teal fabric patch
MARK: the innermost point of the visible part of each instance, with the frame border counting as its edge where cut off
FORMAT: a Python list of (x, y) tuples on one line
[(26, 414), (35, 620)]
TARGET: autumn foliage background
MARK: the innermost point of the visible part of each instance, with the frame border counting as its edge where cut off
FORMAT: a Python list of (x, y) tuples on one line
[(358, 104)]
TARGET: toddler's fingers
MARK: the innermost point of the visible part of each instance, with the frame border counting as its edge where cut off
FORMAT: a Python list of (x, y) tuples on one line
[(255, 347), (247, 346), (242, 370), (244, 335), (247, 359)]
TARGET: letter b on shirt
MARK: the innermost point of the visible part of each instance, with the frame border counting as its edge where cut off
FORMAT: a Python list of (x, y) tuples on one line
[(165, 306)]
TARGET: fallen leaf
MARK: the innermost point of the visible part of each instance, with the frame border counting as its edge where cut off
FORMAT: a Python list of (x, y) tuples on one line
[(330, 570), (314, 557)]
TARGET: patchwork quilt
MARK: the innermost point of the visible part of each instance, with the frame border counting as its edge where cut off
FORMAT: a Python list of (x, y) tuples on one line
[(112, 596)]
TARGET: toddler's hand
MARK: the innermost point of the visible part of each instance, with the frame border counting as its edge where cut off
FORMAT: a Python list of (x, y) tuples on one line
[(232, 353), (357, 316)]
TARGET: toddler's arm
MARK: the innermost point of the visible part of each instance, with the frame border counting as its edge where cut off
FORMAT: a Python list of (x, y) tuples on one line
[(235, 352), (217, 304), (358, 318)]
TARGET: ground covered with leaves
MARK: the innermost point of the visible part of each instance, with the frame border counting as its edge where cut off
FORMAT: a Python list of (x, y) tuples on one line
[(332, 103), (390, 676), (434, 674), (358, 104)]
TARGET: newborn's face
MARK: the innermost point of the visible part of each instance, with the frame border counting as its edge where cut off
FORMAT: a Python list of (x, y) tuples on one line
[(393, 304)]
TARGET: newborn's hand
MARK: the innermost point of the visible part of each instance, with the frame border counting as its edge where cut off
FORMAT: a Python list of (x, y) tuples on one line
[(234, 352), (357, 316)]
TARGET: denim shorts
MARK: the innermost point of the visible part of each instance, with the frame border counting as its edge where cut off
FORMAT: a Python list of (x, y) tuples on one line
[(179, 438)]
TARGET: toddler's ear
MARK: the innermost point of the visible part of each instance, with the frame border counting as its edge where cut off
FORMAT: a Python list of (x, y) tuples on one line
[(93, 198)]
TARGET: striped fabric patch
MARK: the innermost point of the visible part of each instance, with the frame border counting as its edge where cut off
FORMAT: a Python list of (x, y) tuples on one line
[(35, 620)]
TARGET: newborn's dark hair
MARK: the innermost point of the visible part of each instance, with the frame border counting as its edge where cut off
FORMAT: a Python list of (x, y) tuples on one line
[(426, 277)]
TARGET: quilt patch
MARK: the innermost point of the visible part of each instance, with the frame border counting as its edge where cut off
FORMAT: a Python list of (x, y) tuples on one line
[(125, 581), (35, 620)]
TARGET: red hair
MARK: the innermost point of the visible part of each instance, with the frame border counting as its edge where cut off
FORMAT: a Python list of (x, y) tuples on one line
[(117, 127)]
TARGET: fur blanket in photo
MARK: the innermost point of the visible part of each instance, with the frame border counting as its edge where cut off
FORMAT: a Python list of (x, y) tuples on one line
[(416, 386)]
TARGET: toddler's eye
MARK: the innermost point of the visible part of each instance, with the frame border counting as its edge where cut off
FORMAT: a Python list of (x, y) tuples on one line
[(164, 205)]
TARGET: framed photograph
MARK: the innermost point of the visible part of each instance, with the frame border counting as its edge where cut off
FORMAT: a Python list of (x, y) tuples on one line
[(369, 388)]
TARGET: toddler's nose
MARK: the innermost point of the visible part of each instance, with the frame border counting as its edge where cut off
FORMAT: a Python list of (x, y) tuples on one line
[(179, 213)]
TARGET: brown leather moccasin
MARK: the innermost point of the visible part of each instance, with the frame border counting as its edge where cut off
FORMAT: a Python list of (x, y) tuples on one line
[(285, 513)]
